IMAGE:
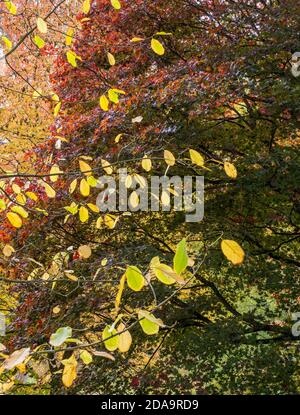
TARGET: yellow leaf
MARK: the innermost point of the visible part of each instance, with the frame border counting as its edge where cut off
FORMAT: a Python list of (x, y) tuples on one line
[(157, 47), (196, 158), (85, 168), (86, 357), (104, 103), (8, 250), (146, 163), (233, 251), (21, 199), (32, 196), (230, 170), (125, 339), (86, 6), (113, 96), (73, 186), (112, 342), (110, 221), (69, 36), (92, 181), (111, 59), (99, 222), (14, 219), (71, 58), (104, 262), (7, 42), (57, 109), (56, 310), (136, 39), (40, 43), (50, 192), (84, 188), (118, 138), (41, 25), (116, 4), (16, 188), (169, 158), (93, 207), (106, 166), (20, 211), (11, 7), (70, 371), (120, 292), (85, 251), (54, 170), (83, 214), (135, 279)]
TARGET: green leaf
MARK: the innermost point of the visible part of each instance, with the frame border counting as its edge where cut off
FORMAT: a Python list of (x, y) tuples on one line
[(135, 279), (181, 258), (113, 343), (60, 336), (149, 323)]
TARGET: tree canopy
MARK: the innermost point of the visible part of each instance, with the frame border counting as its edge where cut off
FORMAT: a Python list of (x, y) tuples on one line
[(147, 302)]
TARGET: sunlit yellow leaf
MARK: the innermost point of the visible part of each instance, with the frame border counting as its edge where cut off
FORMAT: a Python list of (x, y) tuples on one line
[(85, 251), (32, 196), (149, 323), (146, 163), (11, 7), (7, 42), (84, 188), (112, 343), (8, 250), (73, 186), (110, 221), (50, 192), (230, 170), (41, 25), (111, 59), (120, 292), (135, 279), (113, 96), (70, 371), (54, 170), (69, 36), (196, 158), (57, 109), (86, 357), (71, 58), (56, 310), (86, 6), (125, 339), (93, 208), (14, 219), (40, 43), (104, 103), (157, 47), (233, 251), (83, 214), (21, 199), (20, 211), (136, 39), (85, 168), (118, 138), (169, 158), (16, 188), (106, 166), (116, 4)]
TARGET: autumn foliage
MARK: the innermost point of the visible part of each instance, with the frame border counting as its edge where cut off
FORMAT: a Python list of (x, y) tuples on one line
[(181, 88)]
